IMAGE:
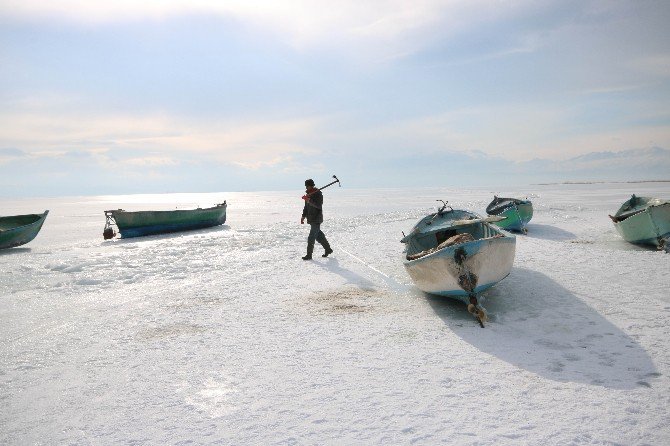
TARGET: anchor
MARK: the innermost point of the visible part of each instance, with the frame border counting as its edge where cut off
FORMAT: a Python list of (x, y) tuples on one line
[(109, 231)]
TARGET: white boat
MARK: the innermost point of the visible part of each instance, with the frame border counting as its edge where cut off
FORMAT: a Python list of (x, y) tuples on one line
[(459, 254)]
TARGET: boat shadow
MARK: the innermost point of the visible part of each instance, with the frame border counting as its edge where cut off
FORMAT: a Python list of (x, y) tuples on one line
[(549, 232), (539, 326), (9, 251), (168, 235)]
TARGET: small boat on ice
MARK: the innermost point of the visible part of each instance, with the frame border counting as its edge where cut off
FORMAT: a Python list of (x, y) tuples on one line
[(457, 253), (137, 224), (17, 230), (644, 221), (517, 213)]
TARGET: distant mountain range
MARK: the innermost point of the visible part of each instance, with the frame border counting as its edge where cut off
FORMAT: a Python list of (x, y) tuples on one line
[(24, 174), (628, 165), (479, 168)]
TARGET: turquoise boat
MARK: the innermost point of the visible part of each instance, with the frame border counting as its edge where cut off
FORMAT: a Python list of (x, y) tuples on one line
[(18, 230), (517, 213), (644, 221), (458, 254), (141, 223)]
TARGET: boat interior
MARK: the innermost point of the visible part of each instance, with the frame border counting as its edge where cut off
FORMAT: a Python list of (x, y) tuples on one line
[(425, 241), (7, 223), (622, 217), (499, 208), (633, 206)]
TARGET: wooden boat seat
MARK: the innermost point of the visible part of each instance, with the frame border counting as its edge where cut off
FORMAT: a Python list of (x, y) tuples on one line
[(453, 240), (622, 217)]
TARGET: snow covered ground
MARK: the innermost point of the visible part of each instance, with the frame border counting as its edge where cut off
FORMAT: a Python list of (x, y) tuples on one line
[(225, 336)]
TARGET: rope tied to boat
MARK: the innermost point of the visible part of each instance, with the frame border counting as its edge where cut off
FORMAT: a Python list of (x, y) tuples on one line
[(477, 310), (467, 280)]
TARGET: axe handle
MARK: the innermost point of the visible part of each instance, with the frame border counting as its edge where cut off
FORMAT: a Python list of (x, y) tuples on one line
[(322, 188)]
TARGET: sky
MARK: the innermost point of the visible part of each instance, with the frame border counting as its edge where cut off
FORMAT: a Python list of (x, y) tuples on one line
[(206, 96)]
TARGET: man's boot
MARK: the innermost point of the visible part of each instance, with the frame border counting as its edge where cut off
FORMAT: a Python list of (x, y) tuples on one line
[(329, 251), (310, 250)]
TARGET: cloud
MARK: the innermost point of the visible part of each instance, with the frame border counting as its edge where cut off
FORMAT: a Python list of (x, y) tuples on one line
[(277, 88), (8, 155), (302, 23), (248, 143), (517, 131), (605, 90), (12, 153), (150, 161), (654, 64), (513, 130)]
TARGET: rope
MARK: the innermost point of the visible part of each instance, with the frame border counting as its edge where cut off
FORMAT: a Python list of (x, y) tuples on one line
[(388, 279)]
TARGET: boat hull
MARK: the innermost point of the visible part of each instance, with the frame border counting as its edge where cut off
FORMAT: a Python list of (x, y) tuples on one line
[(512, 221), (517, 214), (649, 227), (138, 224), (465, 269), (20, 229)]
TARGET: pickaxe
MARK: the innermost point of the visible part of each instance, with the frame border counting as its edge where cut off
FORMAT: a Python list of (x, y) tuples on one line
[(322, 188)]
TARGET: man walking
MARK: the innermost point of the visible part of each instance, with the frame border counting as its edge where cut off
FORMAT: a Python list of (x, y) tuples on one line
[(314, 214)]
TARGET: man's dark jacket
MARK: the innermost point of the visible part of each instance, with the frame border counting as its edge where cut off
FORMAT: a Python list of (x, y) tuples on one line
[(312, 210)]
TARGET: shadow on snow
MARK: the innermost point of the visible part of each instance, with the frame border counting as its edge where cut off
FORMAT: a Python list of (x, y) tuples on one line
[(540, 326), (549, 232), (351, 277), (167, 235), (8, 251)]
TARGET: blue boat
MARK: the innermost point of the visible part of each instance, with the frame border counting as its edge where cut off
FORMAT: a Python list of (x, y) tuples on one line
[(17, 230), (644, 221), (141, 223), (457, 253), (517, 213)]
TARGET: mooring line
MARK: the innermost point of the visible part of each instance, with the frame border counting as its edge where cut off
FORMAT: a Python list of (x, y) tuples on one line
[(389, 280)]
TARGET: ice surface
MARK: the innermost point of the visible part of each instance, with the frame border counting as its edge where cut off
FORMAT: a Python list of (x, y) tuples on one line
[(225, 336)]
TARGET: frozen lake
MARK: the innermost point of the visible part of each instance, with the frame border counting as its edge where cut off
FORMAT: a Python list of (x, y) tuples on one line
[(225, 336)]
